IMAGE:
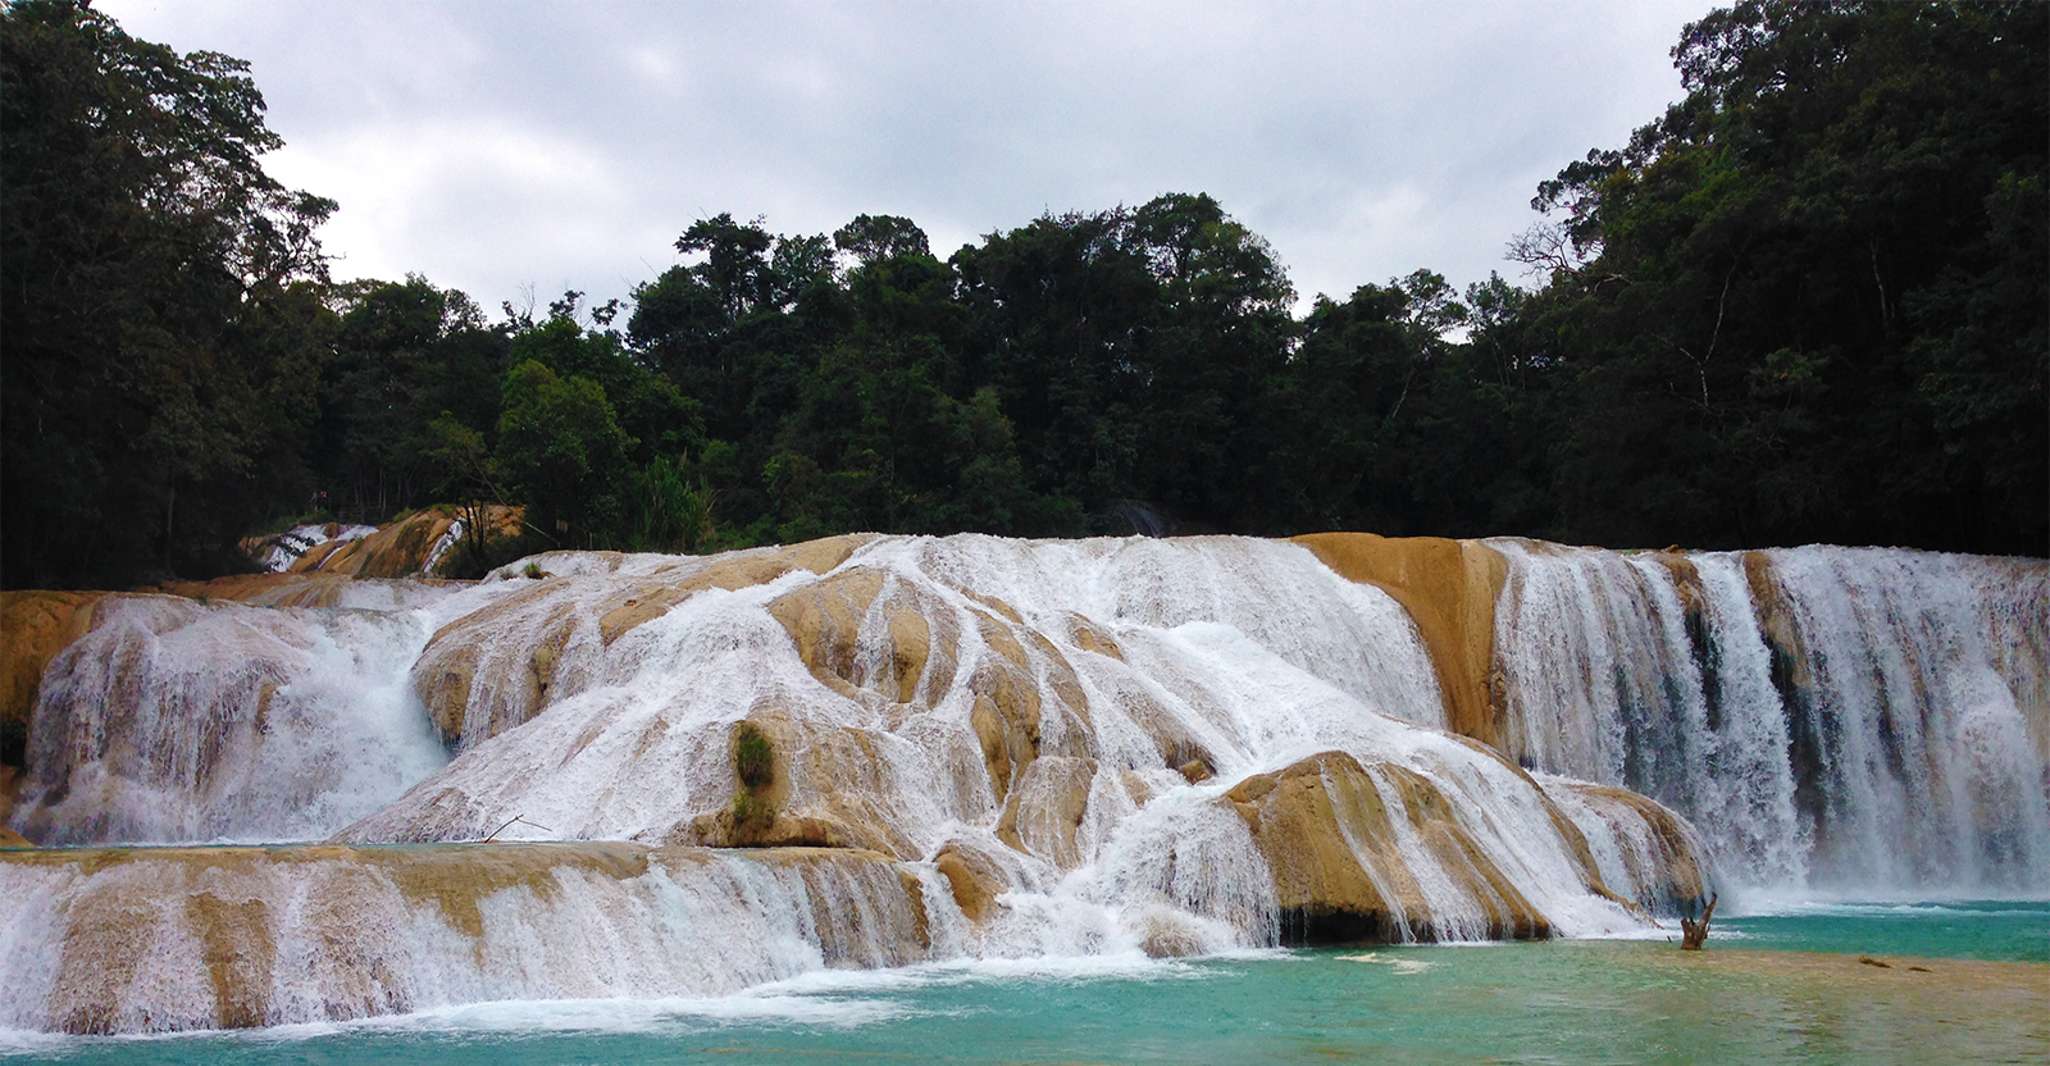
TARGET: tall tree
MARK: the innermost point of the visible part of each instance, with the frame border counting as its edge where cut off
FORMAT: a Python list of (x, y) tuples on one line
[(151, 280)]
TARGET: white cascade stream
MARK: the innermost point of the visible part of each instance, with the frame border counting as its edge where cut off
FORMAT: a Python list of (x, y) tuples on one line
[(1903, 744)]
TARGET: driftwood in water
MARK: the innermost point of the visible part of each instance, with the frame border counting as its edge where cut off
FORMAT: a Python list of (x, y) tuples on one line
[(1692, 933)]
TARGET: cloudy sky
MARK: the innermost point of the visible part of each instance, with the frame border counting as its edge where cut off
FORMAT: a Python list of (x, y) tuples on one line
[(525, 146)]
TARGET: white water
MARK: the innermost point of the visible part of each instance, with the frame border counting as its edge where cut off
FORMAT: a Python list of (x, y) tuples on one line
[(352, 942), (287, 547), (175, 720), (1906, 748), (448, 539), (1249, 652), (1245, 655)]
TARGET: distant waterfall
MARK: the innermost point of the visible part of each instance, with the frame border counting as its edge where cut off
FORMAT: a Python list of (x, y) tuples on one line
[(1849, 719)]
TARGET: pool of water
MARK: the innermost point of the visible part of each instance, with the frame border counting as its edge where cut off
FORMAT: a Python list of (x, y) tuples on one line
[(1783, 987), (1956, 929)]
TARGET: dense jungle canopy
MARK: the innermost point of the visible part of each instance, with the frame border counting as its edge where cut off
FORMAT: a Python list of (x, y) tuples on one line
[(1810, 302)]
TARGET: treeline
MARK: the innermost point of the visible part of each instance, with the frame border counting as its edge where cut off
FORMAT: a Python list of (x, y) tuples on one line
[(1809, 303)]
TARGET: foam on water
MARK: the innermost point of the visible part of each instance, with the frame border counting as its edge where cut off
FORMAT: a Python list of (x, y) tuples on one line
[(181, 721)]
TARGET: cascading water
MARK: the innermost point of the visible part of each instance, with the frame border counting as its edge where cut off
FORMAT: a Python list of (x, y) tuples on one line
[(1011, 749), (287, 547), (1856, 720), (174, 720), (176, 939)]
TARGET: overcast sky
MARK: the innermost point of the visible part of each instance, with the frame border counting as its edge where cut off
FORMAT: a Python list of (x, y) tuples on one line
[(497, 146)]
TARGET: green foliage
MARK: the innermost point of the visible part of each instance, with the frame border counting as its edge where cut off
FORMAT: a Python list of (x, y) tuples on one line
[(753, 760), (164, 318), (1809, 302), (562, 451), (673, 515), (751, 810), (533, 571)]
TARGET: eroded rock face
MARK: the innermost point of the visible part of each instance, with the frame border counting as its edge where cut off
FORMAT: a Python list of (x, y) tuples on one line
[(113, 940), (1375, 853), (34, 627), (1017, 705), (494, 668), (1449, 588), (1649, 855), (396, 550)]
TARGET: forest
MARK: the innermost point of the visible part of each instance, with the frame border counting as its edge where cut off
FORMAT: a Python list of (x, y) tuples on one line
[(1808, 303)]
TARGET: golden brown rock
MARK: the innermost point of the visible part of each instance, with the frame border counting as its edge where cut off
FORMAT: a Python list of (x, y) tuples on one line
[(651, 600), (123, 910), (1045, 809), (1449, 588), (291, 589), (1340, 873), (395, 550), (34, 627), (446, 671), (827, 788), (524, 637), (975, 879), (1679, 883)]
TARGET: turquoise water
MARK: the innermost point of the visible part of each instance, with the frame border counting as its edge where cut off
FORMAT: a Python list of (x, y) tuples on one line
[(1965, 929), (1564, 1001)]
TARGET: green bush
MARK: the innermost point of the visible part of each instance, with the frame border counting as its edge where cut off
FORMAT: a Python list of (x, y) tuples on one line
[(750, 809), (752, 758)]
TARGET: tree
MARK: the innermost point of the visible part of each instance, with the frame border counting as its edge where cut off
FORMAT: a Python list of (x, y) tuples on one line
[(151, 277), (874, 238), (562, 451), (1807, 303)]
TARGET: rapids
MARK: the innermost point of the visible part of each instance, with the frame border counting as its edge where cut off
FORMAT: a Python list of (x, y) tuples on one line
[(989, 749)]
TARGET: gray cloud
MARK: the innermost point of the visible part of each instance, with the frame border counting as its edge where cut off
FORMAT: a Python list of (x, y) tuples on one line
[(497, 146)]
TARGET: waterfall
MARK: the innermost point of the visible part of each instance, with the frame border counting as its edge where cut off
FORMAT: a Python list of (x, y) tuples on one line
[(175, 720), (1858, 720), (287, 547), (980, 748), (168, 939)]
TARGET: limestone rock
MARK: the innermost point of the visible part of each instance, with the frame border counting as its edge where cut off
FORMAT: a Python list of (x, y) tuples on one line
[(732, 571), (516, 642), (1668, 875), (1340, 872), (1044, 812), (975, 878), (395, 550), (828, 788), (34, 627), (165, 939), (1449, 588)]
